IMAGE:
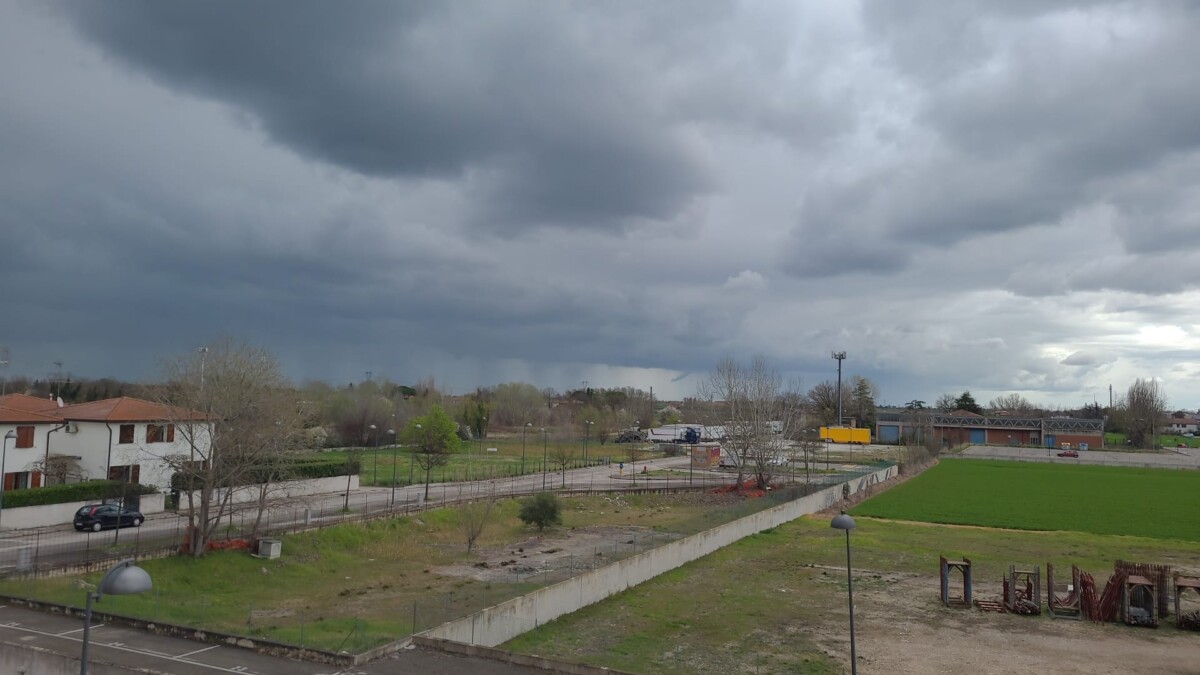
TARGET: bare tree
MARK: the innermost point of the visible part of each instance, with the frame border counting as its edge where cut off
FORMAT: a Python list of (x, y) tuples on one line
[(473, 515), (1013, 404), (759, 415), (562, 454), (236, 413), (1144, 407), (947, 402), (822, 401)]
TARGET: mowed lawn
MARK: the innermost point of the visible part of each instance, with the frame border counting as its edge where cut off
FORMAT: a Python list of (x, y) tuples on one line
[(1157, 503)]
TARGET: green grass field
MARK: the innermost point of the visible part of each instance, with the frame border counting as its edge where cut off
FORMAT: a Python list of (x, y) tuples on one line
[(1156, 503)]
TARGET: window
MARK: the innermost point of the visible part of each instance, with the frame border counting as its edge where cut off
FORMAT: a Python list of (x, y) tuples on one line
[(127, 473), (160, 433), (22, 480), (126, 433), (24, 437)]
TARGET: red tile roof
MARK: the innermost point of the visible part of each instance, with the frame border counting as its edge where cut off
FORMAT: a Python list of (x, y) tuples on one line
[(125, 409), (27, 403), (16, 416)]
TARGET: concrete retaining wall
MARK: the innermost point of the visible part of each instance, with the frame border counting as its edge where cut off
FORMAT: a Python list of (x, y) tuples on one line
[(501, 623), (31, 660), (539, 662), (56, 514), (288, 489)]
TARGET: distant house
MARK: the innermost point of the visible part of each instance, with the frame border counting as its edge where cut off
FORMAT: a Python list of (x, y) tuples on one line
[(125, 439), (1181, 423)]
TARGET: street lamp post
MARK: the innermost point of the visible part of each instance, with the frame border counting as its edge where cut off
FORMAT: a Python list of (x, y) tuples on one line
[(395, 447), (846, 523), (124, 578), (840, 356), (4, 456), (523, 430), (587, 431), (412, 455), (374, 453), (543, 458)]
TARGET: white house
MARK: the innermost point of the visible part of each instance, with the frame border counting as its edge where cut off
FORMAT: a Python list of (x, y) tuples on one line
[(24, 418), (119, 438)]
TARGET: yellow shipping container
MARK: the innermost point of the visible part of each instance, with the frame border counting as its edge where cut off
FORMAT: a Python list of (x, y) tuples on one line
[(845, 435)]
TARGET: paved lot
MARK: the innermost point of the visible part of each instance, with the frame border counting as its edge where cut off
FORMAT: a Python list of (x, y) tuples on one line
[(1171, 459), (135, 649)]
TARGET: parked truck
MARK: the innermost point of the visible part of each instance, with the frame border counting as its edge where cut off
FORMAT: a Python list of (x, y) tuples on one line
[(846, 435)]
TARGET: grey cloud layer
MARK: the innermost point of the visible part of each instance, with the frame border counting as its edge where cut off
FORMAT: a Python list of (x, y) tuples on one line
[(962, 196)]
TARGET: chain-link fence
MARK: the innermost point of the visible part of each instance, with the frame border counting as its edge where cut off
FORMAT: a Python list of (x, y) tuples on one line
[(59, 552)]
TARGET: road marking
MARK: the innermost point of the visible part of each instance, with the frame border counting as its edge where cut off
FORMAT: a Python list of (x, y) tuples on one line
[(184, 656), (145, 652)]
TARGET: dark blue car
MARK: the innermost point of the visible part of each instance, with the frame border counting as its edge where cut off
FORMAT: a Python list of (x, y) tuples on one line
[(98, 517)]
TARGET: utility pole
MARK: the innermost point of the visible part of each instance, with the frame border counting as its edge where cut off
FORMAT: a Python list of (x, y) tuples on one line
[(203, 351), (4, 365), (840, 356)]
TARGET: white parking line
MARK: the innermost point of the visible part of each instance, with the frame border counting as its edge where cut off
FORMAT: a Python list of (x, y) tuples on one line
[(184, 656), (144, 652)]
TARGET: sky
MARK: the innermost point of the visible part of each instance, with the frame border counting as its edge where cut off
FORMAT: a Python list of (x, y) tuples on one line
[(994, 197)]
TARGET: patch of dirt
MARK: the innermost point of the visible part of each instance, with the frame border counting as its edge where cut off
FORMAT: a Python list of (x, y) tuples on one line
[(901, 627), (577, 549)]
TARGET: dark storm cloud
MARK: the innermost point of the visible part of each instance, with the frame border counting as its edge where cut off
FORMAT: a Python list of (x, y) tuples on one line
[(525, 100)]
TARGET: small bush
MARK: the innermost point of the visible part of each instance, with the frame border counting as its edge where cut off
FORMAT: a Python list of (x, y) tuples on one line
[(74, 492), (542, 509)]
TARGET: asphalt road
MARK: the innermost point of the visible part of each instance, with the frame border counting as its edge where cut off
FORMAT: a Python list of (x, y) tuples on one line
[(1181, 458), (41, 634)]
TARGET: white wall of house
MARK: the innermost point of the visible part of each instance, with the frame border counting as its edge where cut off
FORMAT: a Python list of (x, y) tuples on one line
[(91, 444), (23, 459)]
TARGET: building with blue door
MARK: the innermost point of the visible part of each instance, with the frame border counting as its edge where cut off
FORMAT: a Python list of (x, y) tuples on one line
[(960, 427)]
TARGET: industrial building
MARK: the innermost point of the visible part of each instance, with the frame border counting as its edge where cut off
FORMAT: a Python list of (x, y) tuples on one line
[(960, 427)]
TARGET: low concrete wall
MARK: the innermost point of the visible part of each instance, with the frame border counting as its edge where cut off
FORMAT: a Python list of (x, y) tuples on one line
[(57, 514), (31, 660), (501, 623), (288, 489)]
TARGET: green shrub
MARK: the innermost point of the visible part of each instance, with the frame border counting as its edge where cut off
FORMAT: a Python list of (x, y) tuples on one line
[(74, 492), (542, 509)]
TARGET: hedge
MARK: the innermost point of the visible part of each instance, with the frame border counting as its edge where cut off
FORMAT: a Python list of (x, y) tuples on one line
[(298, 469), (74, 492)]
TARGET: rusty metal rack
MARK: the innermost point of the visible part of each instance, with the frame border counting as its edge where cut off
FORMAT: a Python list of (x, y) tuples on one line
[(1138, 607), (1186, 620), (1068, 606), (1023, 591), (964, 567)]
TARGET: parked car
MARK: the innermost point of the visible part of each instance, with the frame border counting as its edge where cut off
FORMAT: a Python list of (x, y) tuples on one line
[(96, 517), (1069, 453)]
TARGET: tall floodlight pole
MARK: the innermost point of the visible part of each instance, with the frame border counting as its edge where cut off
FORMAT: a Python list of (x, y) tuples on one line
[(840, 356)]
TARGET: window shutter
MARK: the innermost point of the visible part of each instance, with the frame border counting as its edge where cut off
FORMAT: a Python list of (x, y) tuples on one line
[(9, 481), (35, 479), (137, 473), (24, 437), (170, 433)]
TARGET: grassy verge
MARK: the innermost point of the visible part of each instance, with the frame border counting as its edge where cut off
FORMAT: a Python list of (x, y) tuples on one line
[(770, 602)]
